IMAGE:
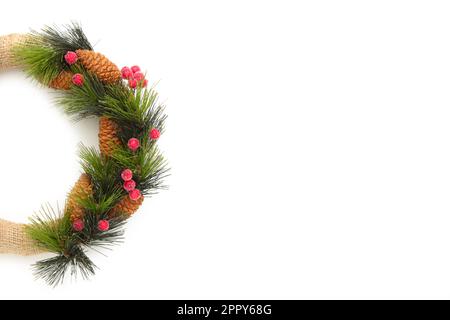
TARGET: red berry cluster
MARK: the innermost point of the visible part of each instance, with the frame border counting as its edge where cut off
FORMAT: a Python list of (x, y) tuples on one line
[(71, 58), (134, 143), (130, 185), (127, 175), (134, 76), (78, 225)]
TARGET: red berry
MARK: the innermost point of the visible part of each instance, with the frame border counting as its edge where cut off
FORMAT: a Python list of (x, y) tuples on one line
[(78, 225), (135, 69), (70, 57), (127, 175), (78, 79), (126, 73), (129, 185), (154, 134), (135, 194), (133, 144), (145, 83), (139, 76), (132, 83), (103, 225)]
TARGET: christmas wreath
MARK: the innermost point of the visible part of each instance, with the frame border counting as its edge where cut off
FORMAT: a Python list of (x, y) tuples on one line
[(115, 178)]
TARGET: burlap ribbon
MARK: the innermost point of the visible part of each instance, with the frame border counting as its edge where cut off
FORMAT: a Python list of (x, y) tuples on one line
[(13, 238), (7, 60)]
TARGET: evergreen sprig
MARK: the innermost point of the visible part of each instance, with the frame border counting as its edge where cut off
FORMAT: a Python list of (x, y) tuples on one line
[(80, 102), (69, 37), (52, 230), (49, 229), (92, 238), (103, 171), (148, 165), (135, 111), (40, 62), (54, 270), (42, 55)]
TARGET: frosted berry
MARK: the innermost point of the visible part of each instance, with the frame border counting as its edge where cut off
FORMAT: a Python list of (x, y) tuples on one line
[(70, 57), (139, 76), (135, 69), (126, 73), (135, 194), (78, 79), (154, 134), (127, 175), (129, 185), (132, 83), (103, 225), (78, 225), (133, 144)]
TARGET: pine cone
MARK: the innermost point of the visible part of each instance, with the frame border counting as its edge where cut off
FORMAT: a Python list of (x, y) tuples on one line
[(107, 136), (63, 81), (81, 190), (99, 65), (126, 206)]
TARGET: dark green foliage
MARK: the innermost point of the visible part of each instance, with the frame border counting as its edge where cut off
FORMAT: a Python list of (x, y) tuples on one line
[(147, 163), (67, 38), (152, 171), (53, 270), (93, 238), (104, 172), (54, 232), (135, 111), (100, 204), (83, 102)]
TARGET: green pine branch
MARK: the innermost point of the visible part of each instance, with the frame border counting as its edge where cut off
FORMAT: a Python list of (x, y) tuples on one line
[(52, 230), (147, 163), (80, 102), (39, 62), (49, 229), (42, 55), (54, 270), (135, 111), (69, 37), (103, 171)]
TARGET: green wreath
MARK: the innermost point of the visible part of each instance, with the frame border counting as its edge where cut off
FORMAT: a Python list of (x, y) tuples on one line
[(116, 178)]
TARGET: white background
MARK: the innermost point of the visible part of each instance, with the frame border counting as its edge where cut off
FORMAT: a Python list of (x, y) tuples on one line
[(308, 141)]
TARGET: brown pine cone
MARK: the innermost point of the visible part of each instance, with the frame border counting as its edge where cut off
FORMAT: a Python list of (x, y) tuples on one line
[(99, 65), (107, 136), (126, 206), (63, 81), (81, 190)]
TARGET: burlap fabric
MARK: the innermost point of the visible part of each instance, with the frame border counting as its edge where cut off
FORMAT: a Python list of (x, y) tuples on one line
[(7, 60), (13, 238)]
